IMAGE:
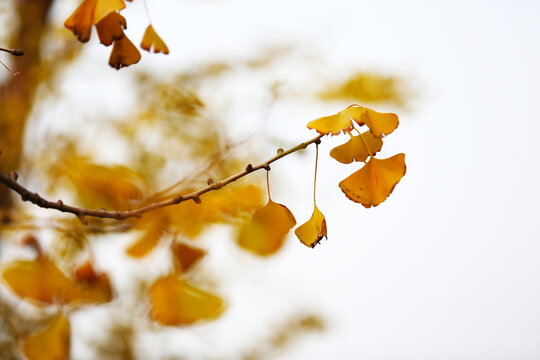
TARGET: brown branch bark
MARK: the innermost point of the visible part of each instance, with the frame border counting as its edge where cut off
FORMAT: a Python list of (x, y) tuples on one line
[(26, 195)]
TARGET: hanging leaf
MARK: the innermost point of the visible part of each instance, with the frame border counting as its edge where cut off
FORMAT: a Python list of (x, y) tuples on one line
[(186, 256), (40, 280), (80, 22), (374, 182), (50, 343), (175, 302), (124, 53), (311, 232), (152, 39), (266, 232), (111, 28), (356, 149), (88, 13), (335, 124)]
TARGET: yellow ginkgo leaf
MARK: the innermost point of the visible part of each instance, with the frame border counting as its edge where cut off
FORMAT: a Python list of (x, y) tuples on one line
[(374, 182), (147, 242), (175, 302), (40, 280), (186, 255), (356, 148), (265, 233), (311, 232), (50, 343), (80, 22), (152, 39), (105, 7), (95, 286), (335, 124), (124, 53), (380, 124), (111, 28)]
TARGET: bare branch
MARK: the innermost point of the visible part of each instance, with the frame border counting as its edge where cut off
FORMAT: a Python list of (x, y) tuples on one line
[(81, 213), (15, 52)]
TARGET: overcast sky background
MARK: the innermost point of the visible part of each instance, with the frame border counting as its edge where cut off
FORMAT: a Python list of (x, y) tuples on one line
[(447, 267)]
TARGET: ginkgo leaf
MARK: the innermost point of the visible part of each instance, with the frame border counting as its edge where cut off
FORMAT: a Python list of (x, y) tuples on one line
[(105, 7), (152, 39), (356, 149), (40, 280), (124, 53), (335, 124), (265, 233), (186, 255), (90, 12), (95, 286), (175, 302), (80, 22), (111, 28), (50, 343), (147, 242), (374, 182), (380, 124), (311, 232)]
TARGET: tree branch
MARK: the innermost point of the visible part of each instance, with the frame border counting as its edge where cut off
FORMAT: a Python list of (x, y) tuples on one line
[(26, 195)]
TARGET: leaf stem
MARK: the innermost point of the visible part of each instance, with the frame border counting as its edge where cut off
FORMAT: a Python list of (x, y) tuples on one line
[(365, 142), (315, 177), (268, 186)]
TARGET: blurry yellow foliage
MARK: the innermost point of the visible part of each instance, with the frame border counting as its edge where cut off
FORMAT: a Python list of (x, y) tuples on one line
[(186, 256), (112, 187), (175, 302), (266, 232), (367, 87), (42, 281), (50, 343)]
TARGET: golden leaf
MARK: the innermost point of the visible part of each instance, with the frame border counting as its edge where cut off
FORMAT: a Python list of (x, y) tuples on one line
[(265, 233), (311, 232), (152, 39), (175, 302), (50, 343), (374, 182), (80, 22), (105, 7), (124, 53), (111, 28), (146, 242), (356, 149), (96, 287), (186, 255), (40, 280), (380, 124), (335, 124)]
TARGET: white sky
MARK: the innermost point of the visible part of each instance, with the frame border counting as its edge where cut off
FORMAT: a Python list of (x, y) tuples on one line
[(447, 267)]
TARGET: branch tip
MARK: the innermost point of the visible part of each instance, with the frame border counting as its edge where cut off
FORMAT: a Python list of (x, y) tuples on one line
[(280, 151), (13, 175), (249, 168), (197, 199), (210, 181), (82, 218), (177, 199), (267, 167)]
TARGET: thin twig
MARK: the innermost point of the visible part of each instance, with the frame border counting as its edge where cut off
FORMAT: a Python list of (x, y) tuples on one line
[(11, 182), (16, 52)]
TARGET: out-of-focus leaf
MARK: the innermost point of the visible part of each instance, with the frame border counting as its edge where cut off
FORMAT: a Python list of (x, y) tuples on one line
[(374, 182), (148, 241), (124, 53), (311, 232), (88, 13), (175, 302), (266, 232), (40, 280), (105, 7), (152, 39), (111, 28), (95, 286), (186, 255), (112, 187), (356, 149), (366, 87), (50, 343)]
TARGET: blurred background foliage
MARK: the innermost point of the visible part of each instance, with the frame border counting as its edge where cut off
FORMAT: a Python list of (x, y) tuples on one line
[(172, 141)]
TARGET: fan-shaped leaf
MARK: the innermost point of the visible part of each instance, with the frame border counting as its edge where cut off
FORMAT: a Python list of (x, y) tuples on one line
[(50, 343), (374, 182), (80, 22), (111, 28), (186, 255), (311, 232), (265, 233), (175, 302), (380, 124), (152, 39), (335, 124), (124, 53), (356, 150), (105, 7)]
